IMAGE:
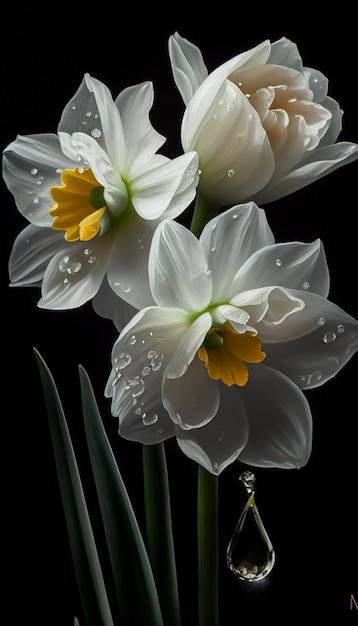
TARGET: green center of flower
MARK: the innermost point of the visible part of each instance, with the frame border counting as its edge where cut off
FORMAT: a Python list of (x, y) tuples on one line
[(225, 353), (79, 205)]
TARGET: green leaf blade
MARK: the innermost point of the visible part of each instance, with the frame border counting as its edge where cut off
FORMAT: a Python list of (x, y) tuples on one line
[(137, 594), (83, 548)]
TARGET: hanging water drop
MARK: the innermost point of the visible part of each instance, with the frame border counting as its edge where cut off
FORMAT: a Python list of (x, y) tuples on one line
[(250, 555)]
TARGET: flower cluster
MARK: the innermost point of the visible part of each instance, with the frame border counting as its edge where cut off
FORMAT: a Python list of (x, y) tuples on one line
[(221, 329)]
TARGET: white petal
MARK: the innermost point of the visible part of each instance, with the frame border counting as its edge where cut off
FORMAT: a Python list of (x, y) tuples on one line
[(220, 442), (293, 265), (31, 166), (141, 354), (230, 172), (319, 163), (178, 268), (74, 275), (285, 52), (128, 264), (111, 121), (188, 67), (110, 306), (280, 422), (229, 240), (171, 186), (32, 250), (326, 338), (141, 140), (268, 306), (191, 400), (188, 346), (82, 114)]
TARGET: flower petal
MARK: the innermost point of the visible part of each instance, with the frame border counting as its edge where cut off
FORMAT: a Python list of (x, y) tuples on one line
[(171, 186), (318, 163), (191, 400), (31, 165), (208, 129), (325, 339), (188, 67), (294, 265), (268, 306), (188, 346), (32, 250), (178, 268), (280, 422), (127, 270), (229, 240), (74, 275), (139, 358), (110, 306), (141, 140), (221, 441)]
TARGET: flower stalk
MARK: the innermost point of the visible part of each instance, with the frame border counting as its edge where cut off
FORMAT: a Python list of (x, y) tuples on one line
[(208, 548)]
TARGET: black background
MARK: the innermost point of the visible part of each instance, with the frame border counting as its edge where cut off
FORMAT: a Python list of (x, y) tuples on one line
[(310, 514)]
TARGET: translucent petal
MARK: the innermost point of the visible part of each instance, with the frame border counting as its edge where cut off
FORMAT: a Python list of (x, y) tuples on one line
[(329, 339), (171, 186), (32, 250), (280, 422), (188, 67), (178, 268), (294, 265), (141, 140), (221, 441), (229, 240), (128, 264), (31, 166), (191, 400), (74, 275)]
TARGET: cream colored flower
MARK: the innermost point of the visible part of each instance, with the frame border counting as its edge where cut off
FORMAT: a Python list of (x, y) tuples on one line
[(262, 123)]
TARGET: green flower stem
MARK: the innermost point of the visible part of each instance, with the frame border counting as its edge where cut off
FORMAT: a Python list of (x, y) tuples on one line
[(159, 535), (203, 212), (208, 548)]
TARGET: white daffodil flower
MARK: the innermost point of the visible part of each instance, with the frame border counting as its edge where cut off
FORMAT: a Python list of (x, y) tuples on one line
[(240, 327), (94, 194), (262, 123)]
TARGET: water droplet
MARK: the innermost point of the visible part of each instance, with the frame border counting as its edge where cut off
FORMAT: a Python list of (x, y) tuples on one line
[(321, 321), (148, 420), (122, 361), (74, 268), (235, 216), (311, 379), (156, 362), (151, 355), (96, 133), (35, 200), (146, 370), (250, 555), (329, 337), (213, 249), (278, 262), (291, 100), (306, 285), (137, 387), (340, 328), (133, 340), (220, 103), (34, 171), (231, 173)]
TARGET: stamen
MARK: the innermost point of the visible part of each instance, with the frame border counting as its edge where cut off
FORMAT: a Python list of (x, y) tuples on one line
[(227, 361), (74, 209)]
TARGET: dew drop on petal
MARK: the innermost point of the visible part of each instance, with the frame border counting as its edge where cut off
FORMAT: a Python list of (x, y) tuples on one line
[(278, 262), (231, 173), (321, 321), (96, 133), (329, 337), (340, 328), (34, 171), (306, 285), (122, 361), (149, 420)]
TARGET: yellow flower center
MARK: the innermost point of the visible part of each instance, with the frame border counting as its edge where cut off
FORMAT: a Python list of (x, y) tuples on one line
[(225, 353), (79, 205)]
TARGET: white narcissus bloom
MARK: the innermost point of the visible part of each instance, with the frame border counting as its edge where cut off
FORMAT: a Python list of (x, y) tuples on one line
[(262, 123), (94, 194), (240, 327)]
